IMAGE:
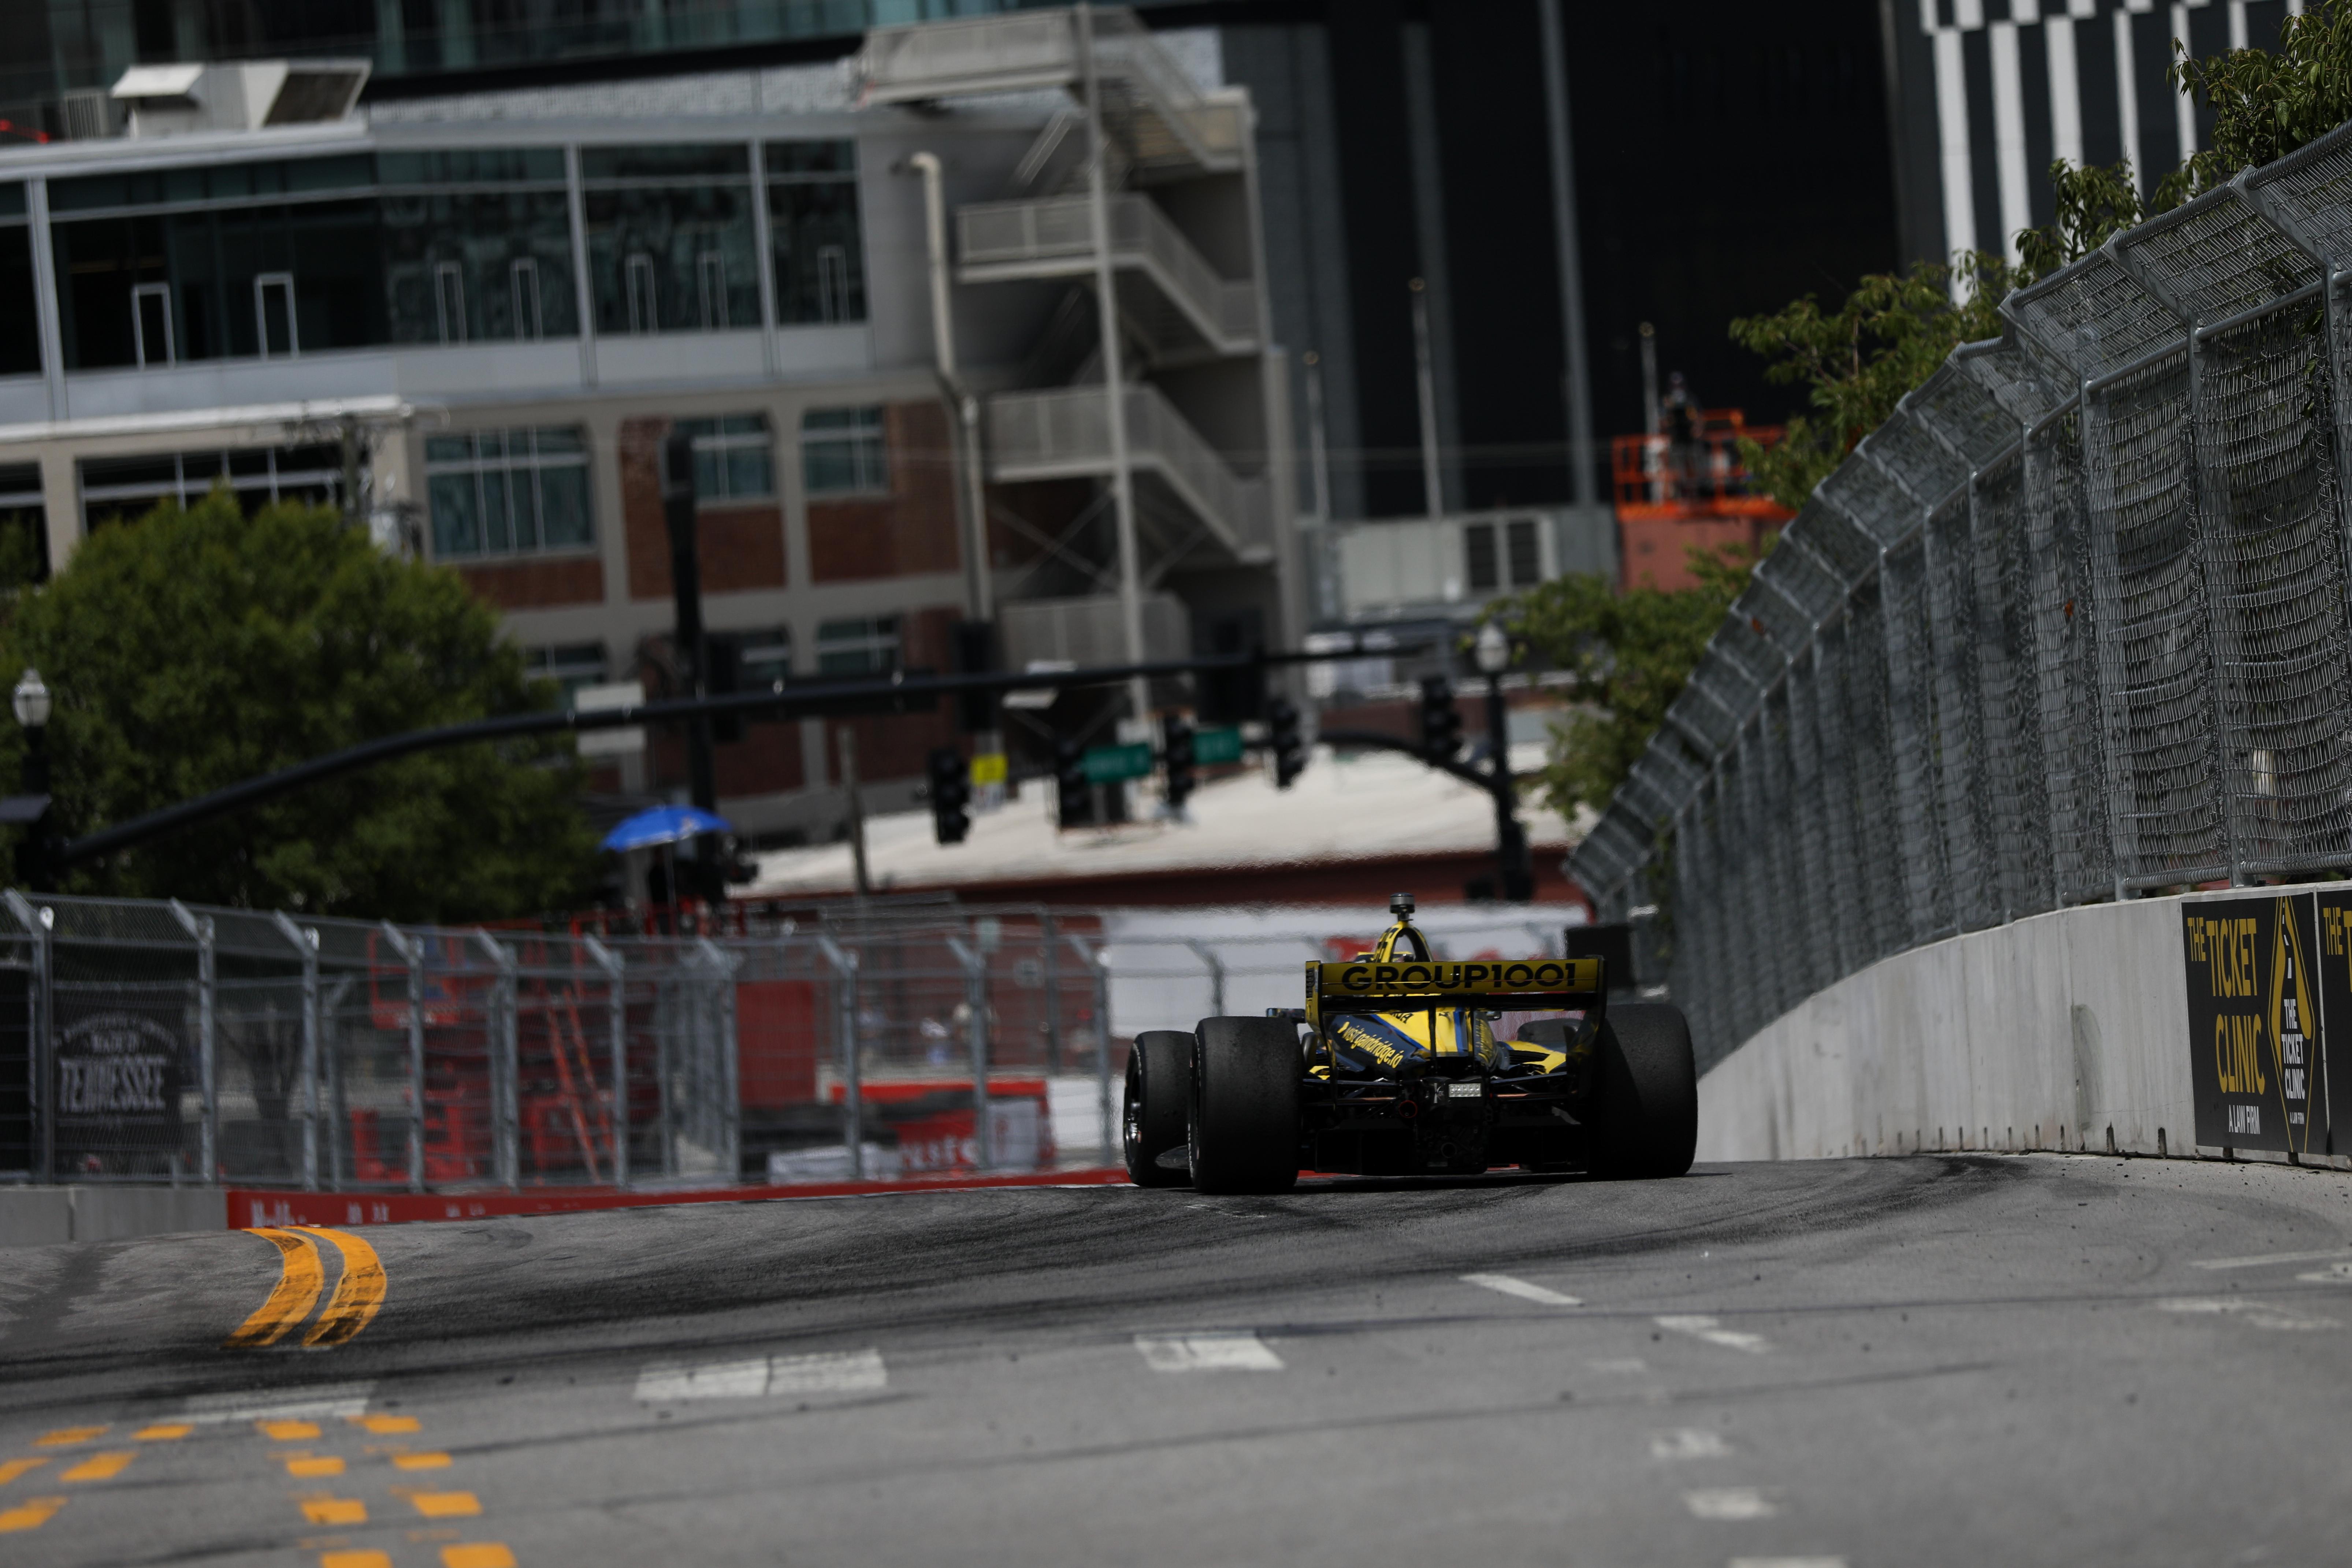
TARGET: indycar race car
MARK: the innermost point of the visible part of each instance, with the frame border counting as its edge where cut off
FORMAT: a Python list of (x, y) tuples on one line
[(1393, 1069)]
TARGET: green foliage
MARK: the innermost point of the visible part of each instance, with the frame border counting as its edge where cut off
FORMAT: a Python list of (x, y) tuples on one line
[(2093, 204), (2265, 106), (1628, 655), (191, 650), (1857, 362)]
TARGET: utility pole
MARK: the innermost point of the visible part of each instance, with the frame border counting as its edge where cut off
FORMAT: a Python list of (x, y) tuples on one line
[(692, 647), (1572, 261), (1432, 495), (1123, 479)]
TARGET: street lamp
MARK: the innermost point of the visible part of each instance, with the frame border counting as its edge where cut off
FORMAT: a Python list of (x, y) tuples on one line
[(31, 701), (1515, 877), (1493, 650)]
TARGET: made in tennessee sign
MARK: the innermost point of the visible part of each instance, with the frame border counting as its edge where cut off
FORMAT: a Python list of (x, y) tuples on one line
[(2256, 1021)]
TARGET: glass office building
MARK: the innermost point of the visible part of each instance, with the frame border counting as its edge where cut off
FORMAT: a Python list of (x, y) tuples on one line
[(473, 319)]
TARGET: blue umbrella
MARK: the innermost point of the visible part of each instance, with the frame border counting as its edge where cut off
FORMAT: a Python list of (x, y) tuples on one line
[(664, 825)]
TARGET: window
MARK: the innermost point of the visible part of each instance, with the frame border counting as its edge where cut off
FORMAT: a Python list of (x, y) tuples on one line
[(1487, 556), (857, 648), (842, 452), (1526, 565), (820, 261), (570, 664), (24, 524), (114, 488), (733, 459), (670, 242), (508, 492), (20, 341), (764, 657)]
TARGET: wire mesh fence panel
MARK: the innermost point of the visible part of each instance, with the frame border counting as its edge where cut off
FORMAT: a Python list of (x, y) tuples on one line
[(1872, 748), (2274, 541), (264, 1089), (2064, 612), (1785, 867), (1962, 756), (2155, 642), (1825, 684), (2013, 780), (1912, 743), (366, 1063), (134, 1091), (22, 1090), (565, 1085), (1756, 902), (1816, 954)]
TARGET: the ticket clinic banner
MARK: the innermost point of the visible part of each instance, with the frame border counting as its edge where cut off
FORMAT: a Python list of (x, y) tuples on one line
[(2265, 977)]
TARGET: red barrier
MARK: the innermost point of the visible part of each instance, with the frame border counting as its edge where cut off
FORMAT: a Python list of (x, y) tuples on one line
[(249, 1208)]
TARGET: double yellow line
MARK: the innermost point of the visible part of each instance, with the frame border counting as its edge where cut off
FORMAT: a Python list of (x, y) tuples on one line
[(359, 1294)]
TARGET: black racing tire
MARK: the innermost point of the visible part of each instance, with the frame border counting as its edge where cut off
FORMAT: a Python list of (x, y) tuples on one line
[(1645, 1095), (1158, 1105), (1245, 1130)]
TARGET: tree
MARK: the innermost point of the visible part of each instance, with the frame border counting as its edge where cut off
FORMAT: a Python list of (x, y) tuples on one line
[(193, 648), (2265, 106), (1627, 656), (1856, 363)]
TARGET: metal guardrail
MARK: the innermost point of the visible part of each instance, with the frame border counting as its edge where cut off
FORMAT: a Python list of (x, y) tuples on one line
[(1065, 433), (2071, 626)]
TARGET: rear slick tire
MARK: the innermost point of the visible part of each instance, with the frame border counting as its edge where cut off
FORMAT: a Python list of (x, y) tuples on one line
[(1645, 1094), (1158, 1108), (1245, 1105)]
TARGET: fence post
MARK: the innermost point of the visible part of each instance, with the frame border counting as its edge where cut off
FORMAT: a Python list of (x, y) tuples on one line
[(618, 1021), (853, 1089), (1202, 950), (506, 1068), (975, 995), (41, 1013), (306, 947), (207, 1046), (723, 965), (1098, 962), (338, 1103), (413, 954), (1049, 944)]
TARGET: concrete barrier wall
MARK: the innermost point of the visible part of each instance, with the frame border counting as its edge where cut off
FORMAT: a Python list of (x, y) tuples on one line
[(2046, 1033), (40, 1216)]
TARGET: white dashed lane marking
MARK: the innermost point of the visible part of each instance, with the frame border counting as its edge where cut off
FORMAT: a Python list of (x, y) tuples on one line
[(1688, 1443), (1620, 1365), (830, 1371), (2334, 1274), (1235, 1351), (2259, 1314), (1786, 1563), (1729, 1503), (320, 1401), (1522, 1289), (1701, 1327), (2262, 1260)]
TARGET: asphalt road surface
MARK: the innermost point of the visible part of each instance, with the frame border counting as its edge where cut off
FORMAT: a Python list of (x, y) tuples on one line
[(1955, 1359)]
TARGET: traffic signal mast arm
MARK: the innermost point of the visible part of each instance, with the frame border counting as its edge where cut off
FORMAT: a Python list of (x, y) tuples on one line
[(783, 700)]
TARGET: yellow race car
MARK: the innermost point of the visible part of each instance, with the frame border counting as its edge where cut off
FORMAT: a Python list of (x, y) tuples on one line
[(1393, 1068)]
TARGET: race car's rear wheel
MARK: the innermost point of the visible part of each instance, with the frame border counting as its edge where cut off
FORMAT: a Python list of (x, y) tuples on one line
[(1245, 1105), (1645, 1093), (1159, 1100)]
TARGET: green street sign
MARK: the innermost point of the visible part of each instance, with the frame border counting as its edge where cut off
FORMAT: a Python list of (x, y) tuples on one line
[(1109, 764), (1216, 746)]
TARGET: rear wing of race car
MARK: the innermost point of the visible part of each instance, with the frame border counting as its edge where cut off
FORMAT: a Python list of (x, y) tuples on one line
[(1527, 984)]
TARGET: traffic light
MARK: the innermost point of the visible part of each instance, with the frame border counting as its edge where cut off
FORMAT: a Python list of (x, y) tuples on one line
[(1441, 725), (1176, 757), (1283, 739), (1073, 795), (950, 793)]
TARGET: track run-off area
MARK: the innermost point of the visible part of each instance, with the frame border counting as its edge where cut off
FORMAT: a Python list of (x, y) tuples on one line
[(1955, 1359)]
